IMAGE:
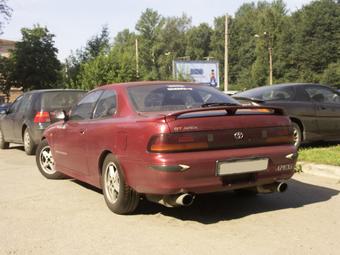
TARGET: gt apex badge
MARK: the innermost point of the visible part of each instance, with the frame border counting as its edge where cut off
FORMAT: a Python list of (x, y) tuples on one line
[(238, 135)]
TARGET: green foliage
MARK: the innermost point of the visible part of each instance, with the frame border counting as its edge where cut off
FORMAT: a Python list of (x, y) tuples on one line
[(116, 66), (298, 168), (198, 42), (149, 26), (316, 39), (327, 155), (96, 45), (6, 80), (35, 60), (331, 75), (171, 43)]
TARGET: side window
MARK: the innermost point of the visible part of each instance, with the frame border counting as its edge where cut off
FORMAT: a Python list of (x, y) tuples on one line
[(14, 107), (25, 103), (83, 110), (284, 93), (107, 105), (323, 95)]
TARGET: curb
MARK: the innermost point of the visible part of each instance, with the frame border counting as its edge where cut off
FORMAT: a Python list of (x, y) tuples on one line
[(321, 170)]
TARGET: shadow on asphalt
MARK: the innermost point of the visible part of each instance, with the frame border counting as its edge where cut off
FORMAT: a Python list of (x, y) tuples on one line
[(212, 208), (16, 147), (216, 207), (87, 186)]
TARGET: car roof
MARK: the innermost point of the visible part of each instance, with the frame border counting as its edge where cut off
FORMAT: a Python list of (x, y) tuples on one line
[(281, 85), (151, 83), (53, 90)]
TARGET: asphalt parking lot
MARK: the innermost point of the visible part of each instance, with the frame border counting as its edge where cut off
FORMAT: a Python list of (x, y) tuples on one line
[(40, 216)]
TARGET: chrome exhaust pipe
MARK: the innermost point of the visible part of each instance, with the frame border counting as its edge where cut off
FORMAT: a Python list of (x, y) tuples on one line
[(185, 199), (282, 187), (273, 187)]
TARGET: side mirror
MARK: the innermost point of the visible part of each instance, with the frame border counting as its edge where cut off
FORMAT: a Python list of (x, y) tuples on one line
[(61, 115)]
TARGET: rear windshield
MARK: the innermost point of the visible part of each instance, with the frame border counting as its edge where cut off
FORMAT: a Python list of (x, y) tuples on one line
[(159, 98), (60, 99)]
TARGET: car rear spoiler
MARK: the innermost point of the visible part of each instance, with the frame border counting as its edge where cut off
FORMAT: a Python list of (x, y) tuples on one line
[(230, 110)]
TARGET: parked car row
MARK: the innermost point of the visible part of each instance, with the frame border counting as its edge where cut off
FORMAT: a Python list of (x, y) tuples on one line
[(163, 141)]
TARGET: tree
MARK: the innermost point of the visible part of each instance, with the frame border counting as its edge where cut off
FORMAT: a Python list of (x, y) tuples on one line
[(149, 26), (316, 39), (98, 44), (331, 75), (35, 60), (118, 65), (5, 14), (125, 53), (95, 46), (171, 43), (6, 72), (198, 41)]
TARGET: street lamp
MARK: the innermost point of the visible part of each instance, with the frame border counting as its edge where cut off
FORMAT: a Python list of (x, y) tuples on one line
[(269, 43)]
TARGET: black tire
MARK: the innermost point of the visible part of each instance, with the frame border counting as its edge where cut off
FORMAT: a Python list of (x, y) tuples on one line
[(3, 144), (297, 134), (45, 161), (29, 145), (119, 197)]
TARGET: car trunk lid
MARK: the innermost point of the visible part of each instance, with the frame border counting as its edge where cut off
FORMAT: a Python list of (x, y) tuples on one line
[(224, 127)]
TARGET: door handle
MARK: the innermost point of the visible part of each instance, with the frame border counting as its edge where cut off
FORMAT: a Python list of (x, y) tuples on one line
[(82, 131)]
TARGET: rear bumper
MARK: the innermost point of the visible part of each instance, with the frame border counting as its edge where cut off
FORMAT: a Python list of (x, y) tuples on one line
[(201, 176)]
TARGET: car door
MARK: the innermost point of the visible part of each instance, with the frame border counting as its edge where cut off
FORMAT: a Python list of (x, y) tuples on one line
[(70, 143), (21, 116), (8, 120), (327, 104), (101, 133)]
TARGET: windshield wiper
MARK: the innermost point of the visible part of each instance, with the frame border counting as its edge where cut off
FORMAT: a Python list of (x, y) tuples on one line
[(218, 104)]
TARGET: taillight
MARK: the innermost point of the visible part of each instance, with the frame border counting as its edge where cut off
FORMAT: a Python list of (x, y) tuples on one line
[(42, 117), (178, 142), (280, 136), (221, 139)]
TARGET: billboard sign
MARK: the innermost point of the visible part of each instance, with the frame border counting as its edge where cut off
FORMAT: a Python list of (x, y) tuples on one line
[(205, 72)]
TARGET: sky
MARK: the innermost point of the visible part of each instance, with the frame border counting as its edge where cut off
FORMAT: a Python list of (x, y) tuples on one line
[(73, 22)]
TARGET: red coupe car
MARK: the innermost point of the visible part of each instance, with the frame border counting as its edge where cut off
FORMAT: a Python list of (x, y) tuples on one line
[(167, 142)]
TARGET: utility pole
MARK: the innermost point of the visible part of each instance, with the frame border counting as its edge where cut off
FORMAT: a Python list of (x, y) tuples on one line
[(269, 42), (226, 54), (270, 49), (269, 39), (137, 60)]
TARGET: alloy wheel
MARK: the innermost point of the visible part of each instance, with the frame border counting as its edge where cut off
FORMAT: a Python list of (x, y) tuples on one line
[(27, 140), (112, 182), (296, 137), (46, 160)]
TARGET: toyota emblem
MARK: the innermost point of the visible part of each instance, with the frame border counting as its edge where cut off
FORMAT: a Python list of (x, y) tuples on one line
[(238, 135)]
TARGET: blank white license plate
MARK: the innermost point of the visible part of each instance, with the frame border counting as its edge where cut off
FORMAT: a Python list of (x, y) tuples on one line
[(242, 166)]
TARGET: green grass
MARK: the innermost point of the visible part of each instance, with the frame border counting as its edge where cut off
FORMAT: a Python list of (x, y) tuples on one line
[(321, 155)]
